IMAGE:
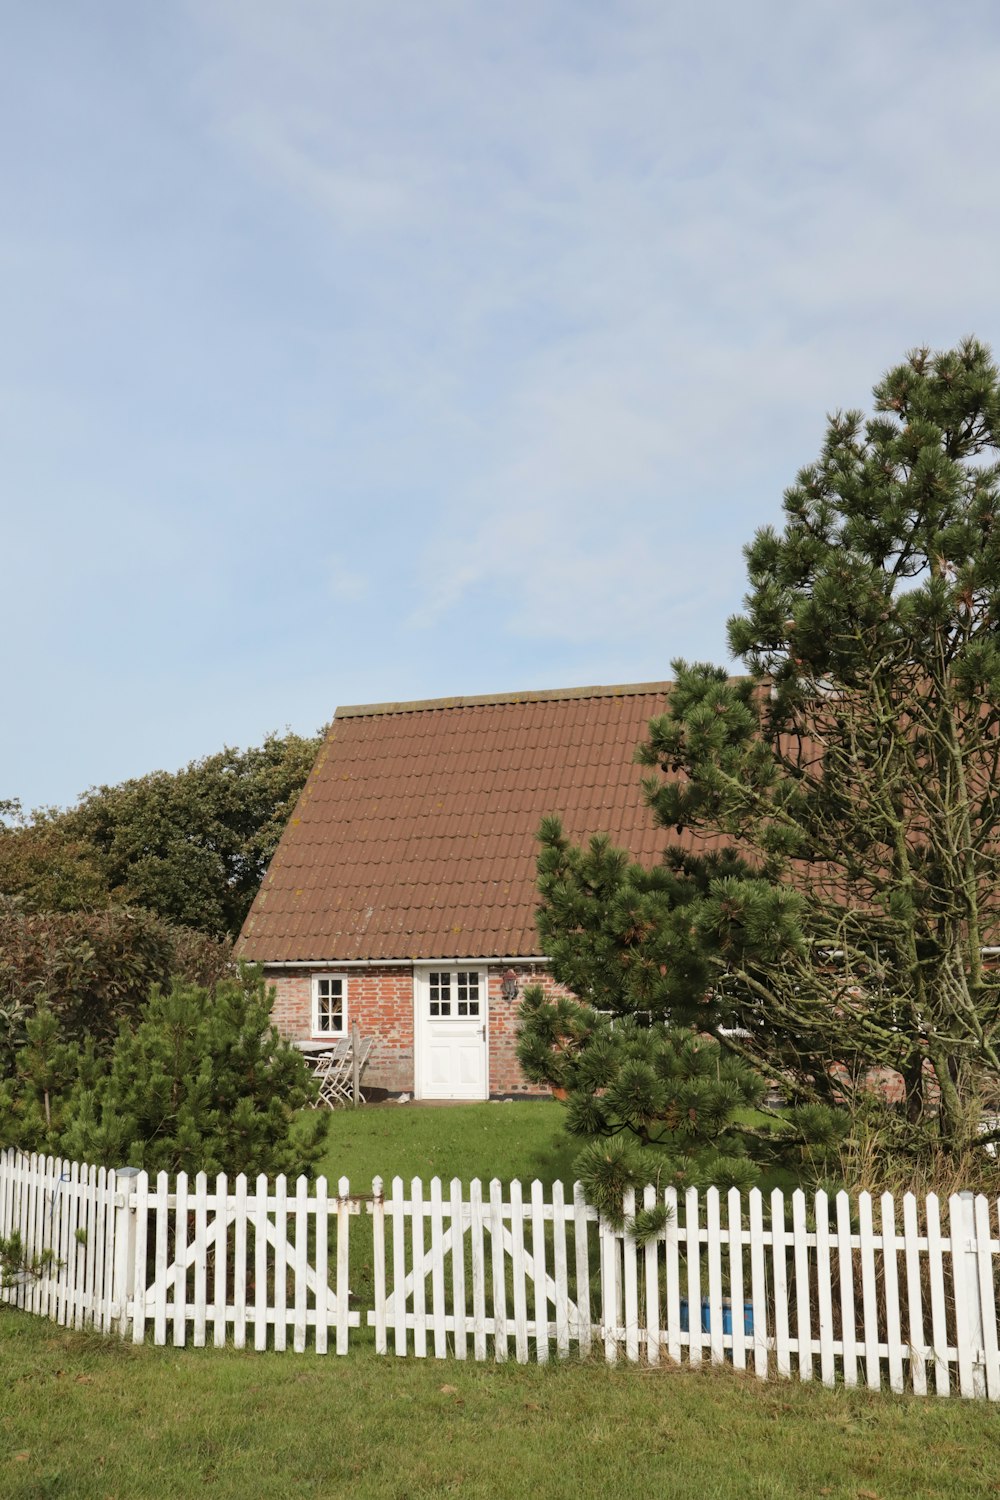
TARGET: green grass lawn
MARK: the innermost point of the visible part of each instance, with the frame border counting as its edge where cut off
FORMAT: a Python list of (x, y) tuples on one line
[(521, 1139), (81, 1417)]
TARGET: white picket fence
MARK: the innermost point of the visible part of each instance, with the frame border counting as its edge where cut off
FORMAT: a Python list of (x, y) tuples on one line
[(851, 1290)]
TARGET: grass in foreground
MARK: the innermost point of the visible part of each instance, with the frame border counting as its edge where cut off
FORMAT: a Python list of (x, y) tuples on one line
[(83, 1417)]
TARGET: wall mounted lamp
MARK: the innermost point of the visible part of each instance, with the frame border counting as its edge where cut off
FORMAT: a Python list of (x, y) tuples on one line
[(508, 985)]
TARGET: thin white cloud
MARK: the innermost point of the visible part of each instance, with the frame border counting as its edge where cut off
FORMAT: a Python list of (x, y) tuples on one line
[(345, 583)]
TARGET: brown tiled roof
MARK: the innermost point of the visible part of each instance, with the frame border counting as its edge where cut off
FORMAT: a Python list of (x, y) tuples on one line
[(415, 835)]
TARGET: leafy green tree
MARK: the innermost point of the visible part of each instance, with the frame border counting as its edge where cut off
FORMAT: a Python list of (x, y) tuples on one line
[(45, 866), (191, 846), (829, 893), (194, 846)]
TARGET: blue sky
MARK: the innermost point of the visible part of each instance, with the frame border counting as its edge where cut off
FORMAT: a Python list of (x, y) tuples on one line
[(364, 352)]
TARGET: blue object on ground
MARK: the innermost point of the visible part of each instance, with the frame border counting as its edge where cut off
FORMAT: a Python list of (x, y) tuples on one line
[(727, 1316)]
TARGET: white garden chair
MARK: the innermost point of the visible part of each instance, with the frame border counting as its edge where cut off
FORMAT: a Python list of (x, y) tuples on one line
[(334, 1071)]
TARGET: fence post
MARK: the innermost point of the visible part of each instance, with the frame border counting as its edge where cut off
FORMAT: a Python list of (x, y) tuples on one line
[(124, 1242), (355, 1064), (968, 1302)]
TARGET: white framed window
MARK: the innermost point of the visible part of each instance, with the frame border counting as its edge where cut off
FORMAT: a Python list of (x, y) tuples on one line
[(329, 1004), (453, 993)]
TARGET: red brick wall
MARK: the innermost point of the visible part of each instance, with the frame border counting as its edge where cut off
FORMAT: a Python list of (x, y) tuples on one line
[(505, 1075), (380, 999)]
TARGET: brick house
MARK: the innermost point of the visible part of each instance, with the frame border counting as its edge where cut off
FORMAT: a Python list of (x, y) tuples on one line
[(402, 894)]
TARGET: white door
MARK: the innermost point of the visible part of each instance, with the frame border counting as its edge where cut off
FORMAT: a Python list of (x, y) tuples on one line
[(451, 1017)]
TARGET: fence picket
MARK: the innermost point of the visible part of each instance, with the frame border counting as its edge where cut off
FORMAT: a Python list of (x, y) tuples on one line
[(714, 1247), (91, 1248), (965, 1319), (890, 1286), (692, 1244), (323, 1263), (845, 1267), (108, 1251), (280, 1263), (53, 1274), (260, 1297), (866, 1234), (458, 1268), (35, 1243), (939, 1319), (180, 1259), (824, 1287), (652, 1287), (914, 1302), (671, 1257), (139, 1274), (630, 1288), (378, 1264), (64, 1189), (782, 1345), (987, 1297), (200, 1291), (560, 1272), (399, 1267), (102, 1278), (737, 1296), (803, 1320), (42, 1232), (221, 1260), (437, 1270), (541, 1299), (6, 1177), (343, 1264), (300, 1286), (518, 1273), (476, 1241), (240, 1264), (22, 1287), (581, 1247), (501, 1345), (610, 1294), (160, 1261), (419, 1273), (74, 1254)]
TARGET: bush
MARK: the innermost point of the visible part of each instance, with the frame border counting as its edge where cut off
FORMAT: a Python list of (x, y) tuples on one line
[(92, 970)]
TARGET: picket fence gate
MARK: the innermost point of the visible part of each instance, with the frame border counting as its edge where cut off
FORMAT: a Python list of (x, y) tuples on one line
[(849, 1289)]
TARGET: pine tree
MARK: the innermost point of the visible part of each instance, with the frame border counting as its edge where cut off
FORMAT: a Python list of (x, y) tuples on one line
[(658, 1103), (203, 1084), (36, 1100), (831, 913)]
